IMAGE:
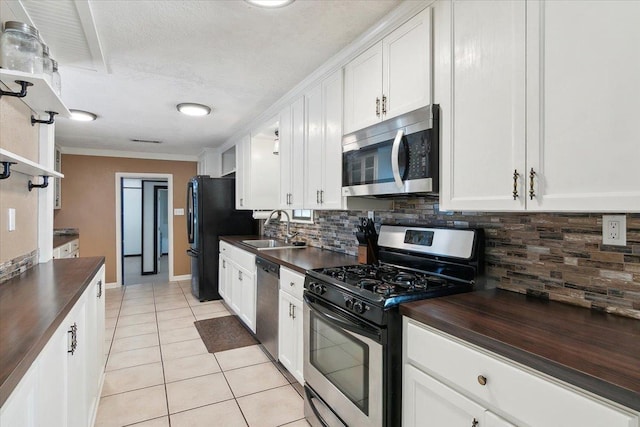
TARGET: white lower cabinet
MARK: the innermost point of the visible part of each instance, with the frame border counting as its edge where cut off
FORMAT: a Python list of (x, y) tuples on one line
[(290, 328), (62, 386), (448, 382), (237, 282)]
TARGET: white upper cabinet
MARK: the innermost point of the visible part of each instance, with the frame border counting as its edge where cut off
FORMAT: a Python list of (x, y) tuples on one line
[(392, 77), (243, 173), (291, 131), (323, 145), (479, 78), (257, 167), (583, 99), (537, 105)]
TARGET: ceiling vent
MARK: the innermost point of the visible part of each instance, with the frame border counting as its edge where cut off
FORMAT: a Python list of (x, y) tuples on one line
[(147, 141)]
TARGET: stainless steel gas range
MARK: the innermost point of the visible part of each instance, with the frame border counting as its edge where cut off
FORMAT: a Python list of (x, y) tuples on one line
[(353, 328)]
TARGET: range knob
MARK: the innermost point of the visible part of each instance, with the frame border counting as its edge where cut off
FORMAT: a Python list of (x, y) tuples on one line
[(349, 303), (359, 307), (317, 288)]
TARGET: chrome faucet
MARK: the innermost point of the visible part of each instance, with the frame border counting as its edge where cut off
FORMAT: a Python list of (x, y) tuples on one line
[(289, 234)]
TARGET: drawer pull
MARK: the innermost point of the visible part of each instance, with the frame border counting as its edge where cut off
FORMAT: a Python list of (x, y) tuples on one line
[(482, 380)]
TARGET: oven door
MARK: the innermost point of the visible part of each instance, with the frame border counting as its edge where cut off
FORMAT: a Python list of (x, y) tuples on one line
[(342, 365)]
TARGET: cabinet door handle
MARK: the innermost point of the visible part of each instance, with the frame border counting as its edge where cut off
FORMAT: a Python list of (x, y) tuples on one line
[(321, 196), (289, 309), (377, 107), (240, 276), (73, 331), (474, 423), (241, 202), (515, 184), (99, 289), (318, 197), (532, 192), (293, 311), (224, 263), (384, 104), (482, 380)]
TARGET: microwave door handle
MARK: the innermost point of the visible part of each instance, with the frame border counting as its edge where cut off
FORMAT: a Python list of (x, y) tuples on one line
[(395, 165)]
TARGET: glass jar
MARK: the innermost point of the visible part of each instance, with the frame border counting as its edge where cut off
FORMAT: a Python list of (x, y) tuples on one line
[(47, 66), (20, 49), (56, 83)]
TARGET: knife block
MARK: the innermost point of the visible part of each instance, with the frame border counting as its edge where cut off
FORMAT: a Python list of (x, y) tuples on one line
[(366, 254)]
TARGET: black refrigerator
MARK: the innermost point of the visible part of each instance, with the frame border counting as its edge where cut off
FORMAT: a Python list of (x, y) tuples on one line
[(211, 213)]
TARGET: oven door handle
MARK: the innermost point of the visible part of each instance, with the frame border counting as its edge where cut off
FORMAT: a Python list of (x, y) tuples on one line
[(395, 164), (352, 325)]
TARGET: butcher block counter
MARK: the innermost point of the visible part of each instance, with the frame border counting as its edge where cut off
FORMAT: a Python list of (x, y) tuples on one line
[(592, 350), (298, 259), (32, 306)]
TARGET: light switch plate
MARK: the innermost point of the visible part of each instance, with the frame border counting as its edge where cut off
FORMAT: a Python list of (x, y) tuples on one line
[(614, 230), (178, 211), (11, 219)]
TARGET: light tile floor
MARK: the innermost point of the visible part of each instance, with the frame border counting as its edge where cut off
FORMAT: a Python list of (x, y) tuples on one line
[(159, 373)]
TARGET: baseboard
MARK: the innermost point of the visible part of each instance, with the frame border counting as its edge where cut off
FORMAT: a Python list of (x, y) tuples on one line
[(184, 277), (111, 285)]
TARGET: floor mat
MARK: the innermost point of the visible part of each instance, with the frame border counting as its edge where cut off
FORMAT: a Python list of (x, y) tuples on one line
[(224, 333)]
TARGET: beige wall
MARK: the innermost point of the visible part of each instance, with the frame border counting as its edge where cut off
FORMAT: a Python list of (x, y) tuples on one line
[(18, 136), (88, 203)]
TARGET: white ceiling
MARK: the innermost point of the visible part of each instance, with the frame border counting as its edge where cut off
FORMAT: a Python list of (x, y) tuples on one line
[(135, 60)]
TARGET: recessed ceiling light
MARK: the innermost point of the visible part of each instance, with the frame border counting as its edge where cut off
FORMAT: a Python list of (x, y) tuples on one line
[(270, 4), (82, 116), (191, 109)]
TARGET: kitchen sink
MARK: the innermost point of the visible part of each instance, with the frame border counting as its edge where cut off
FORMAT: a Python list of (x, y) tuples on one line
[(268, 244)]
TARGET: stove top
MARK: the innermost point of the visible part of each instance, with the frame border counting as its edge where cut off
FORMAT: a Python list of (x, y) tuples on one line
[(384, 280), (415, 263)]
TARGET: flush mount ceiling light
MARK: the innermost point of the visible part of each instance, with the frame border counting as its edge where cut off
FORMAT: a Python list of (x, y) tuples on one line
[(270, 4), (192, 109), (82, 116)]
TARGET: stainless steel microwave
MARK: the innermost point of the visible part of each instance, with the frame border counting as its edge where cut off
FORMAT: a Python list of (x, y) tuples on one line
[(398, 156)]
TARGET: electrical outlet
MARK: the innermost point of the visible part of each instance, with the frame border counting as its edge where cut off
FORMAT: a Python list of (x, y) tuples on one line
[(614, 230)]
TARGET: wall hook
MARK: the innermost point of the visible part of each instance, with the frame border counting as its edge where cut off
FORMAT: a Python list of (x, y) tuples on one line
[(44, 122), (6, 172), (45, 183), (23, 91)]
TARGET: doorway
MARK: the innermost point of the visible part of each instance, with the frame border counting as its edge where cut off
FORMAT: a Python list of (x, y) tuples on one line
[(144, 229)]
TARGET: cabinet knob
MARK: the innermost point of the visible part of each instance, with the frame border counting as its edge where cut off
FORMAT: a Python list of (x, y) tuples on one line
[(292, 284), (482, 380), (474, 423)]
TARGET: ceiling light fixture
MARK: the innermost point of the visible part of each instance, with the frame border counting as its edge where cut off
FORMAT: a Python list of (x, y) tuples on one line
[(192, 109), (270, 4), (82, 116)]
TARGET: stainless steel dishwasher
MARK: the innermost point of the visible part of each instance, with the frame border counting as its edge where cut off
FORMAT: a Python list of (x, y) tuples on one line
[(268, 284)]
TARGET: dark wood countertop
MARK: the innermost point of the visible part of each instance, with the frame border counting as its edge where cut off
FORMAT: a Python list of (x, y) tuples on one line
[(299, 259), (595, 351), (32, 306), (59, 240)]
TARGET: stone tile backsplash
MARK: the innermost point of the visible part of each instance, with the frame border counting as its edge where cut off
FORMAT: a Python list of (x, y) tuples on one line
[(559, 256), (17, 266)]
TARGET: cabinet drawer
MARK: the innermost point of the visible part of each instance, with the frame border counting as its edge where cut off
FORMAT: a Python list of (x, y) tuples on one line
[(244, 259), (291, 282), (529, 397), (225, 248)]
